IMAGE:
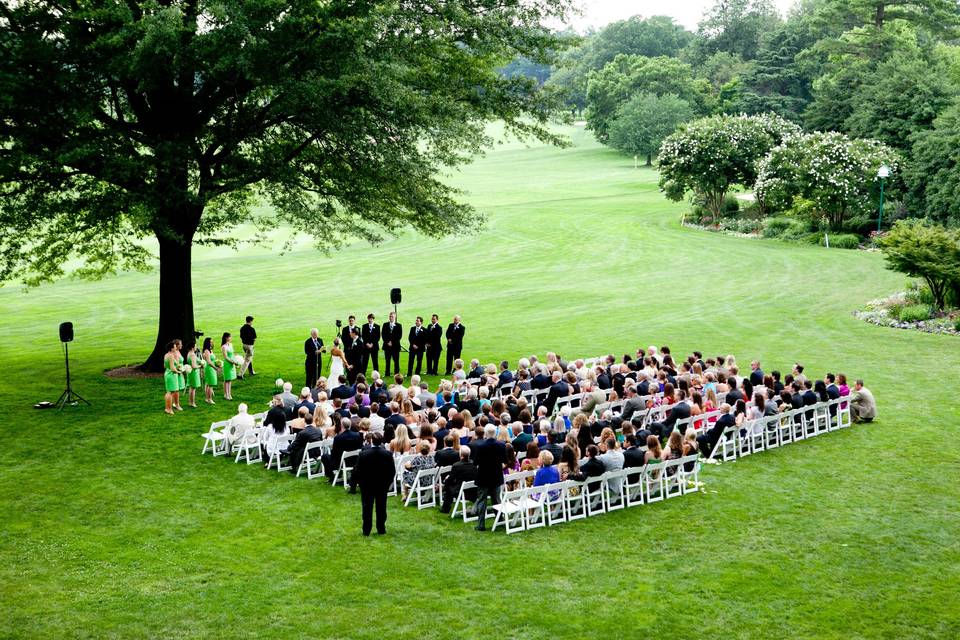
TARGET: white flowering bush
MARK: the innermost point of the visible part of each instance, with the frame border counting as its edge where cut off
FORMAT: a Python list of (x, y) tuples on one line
[(710, 155), (836, 174)]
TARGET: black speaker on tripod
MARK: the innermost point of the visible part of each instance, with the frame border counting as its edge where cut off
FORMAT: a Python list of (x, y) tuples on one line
[(69, 396), (395, 295)]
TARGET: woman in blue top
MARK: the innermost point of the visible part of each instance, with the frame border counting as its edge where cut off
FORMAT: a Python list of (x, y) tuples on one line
[(547, 473)]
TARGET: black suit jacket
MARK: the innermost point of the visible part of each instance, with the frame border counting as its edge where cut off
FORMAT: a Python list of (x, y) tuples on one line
[(591, 469), (309, 350), (633, 457), (756, 377), (434, 338), (554, 449), (724, 421), (374, 470), (732, 397), (506, 377), (370, 335), (489, 456), (393, 336), (557, 391), (446, 457), (462, 471), (420, 340), (540, 381), (299, 444), (343, 392), (677, 412), (345, 335), (344, 441), (455, 335)]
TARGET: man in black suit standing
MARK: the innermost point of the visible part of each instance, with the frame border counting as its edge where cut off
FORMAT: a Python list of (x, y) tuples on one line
[(489, 455), (418, 343), (370, 338), (434, 342), (353, 350), (454, 335), (391, 332), (374, 473), (313, 361), (345, 332)]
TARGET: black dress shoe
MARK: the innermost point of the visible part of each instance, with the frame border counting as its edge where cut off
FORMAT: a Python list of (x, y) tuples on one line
[(479, 528), (382, 533)]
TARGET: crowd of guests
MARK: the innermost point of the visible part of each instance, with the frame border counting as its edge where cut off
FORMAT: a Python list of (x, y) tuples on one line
[(483, 426)]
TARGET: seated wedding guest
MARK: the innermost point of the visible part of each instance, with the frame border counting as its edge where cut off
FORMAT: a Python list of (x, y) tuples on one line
[(605, 437), (592, 466), (512, 465), (238, 425), (276, 417), (299, 445), (544, 429), (289, 400), (318, 388), (347, 440), (394, 419), (653, 453), (569, 466), (300, 422), (520, 439), (632, 454), (271, 439), (533, 455), (342, 390), (863, 406), (464, 470), (612, 460), (458, 371), (447, 455), (553, 444), (547, 473), (708, 440), (305, 400), (376, 420), (423, 460), (674, 448), (401, 441), (426, 435)]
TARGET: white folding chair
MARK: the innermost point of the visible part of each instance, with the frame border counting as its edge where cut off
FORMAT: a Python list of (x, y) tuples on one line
[(672, 479), (574, 500), (844, 419), (633, 486), (556, 503), (534, 504), (342, 474), (510, 511), (689, 472), (614, 494), (594, 491), (654, 481), (821, 418), (784, 428), (757, 435), (424, 489), (249, 442), (215, 440), (464, 506), (310, 462), (276, 458)]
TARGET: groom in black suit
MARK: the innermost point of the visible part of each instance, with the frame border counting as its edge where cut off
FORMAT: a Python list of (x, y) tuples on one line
[(455, 333), (418, 343), (434, 345), (353, 350), (370, 339), (391, 332)]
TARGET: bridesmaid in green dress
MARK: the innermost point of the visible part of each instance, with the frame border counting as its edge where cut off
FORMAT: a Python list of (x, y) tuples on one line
[(171, 379), (229, 366), (193, 378), (181, 379), (209, 370)]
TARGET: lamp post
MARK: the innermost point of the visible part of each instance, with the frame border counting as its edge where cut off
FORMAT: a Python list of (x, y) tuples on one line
[(883, 173)]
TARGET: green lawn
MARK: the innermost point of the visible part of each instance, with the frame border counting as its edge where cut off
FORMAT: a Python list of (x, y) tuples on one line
[(115, 526)]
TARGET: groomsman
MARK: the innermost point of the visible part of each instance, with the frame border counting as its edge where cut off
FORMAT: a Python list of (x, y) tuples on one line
[(392, 334), (313, 361), (454, 334), (370, 337), (345, 333), (434, 340), (418, 342), (353, 350)]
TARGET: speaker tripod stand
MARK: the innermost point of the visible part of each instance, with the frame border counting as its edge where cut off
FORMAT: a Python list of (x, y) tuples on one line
[(69, 396)]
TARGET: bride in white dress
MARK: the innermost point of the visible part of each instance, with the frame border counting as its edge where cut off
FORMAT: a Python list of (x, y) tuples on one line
[(336, 364)]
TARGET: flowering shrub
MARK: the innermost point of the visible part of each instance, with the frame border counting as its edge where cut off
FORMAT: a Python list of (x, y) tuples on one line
[(837, 175), (709, 155)]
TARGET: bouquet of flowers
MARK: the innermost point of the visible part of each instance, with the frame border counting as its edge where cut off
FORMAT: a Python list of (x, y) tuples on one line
[(187, 368), (238, 360)]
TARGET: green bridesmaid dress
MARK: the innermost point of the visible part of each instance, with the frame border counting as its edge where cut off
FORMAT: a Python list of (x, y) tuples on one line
[(229, 367), (181, 379), (171, 379), (193, 378), (210, 372)]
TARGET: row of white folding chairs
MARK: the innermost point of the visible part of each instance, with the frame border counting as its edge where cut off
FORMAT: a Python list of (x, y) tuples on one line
[(527, 508), (781, 429), (464, 507)]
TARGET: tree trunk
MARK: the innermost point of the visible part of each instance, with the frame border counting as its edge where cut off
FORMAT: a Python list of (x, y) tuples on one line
[(879, 16), (649, 159), (176, 297)]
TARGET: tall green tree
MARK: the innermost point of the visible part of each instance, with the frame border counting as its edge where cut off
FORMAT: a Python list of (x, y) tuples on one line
[(737, 27), (929, 251), (933, 175), (645, 120), (625, 76), (167, 119)]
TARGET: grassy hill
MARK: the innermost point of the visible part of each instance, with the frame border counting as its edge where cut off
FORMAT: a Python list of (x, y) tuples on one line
[(114, 525)]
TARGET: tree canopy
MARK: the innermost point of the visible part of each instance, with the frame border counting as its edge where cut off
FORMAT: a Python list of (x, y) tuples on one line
[(121, 121), (641, 124)]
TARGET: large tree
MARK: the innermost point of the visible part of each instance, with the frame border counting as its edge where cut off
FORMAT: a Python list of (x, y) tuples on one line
[(645, 120), (123, 120), (737, 26)]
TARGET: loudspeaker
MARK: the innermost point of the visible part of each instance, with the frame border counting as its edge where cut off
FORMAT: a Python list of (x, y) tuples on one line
[(66, 332), (395, 296)]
